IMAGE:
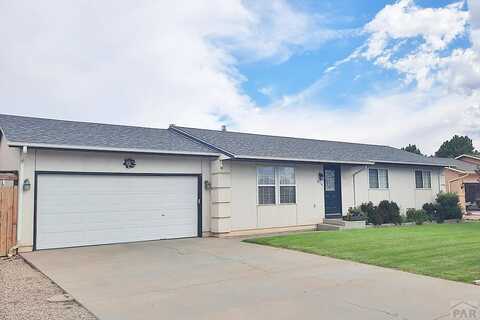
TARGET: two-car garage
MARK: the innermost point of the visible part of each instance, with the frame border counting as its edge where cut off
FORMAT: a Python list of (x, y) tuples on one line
[(78, 209)]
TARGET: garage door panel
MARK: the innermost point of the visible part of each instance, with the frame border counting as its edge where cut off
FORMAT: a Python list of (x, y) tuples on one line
[(75, 210)]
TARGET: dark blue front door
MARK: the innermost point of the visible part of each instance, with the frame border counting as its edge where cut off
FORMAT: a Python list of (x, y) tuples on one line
[(333, 191)]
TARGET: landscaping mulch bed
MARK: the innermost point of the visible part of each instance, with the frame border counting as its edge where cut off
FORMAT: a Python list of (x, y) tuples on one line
[(24, 294)]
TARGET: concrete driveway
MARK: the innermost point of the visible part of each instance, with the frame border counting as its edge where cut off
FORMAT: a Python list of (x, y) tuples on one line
[(227, 279)]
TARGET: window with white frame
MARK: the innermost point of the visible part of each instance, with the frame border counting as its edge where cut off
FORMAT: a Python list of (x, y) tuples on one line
[(276, 180), (266, 185), (423, 179), (286, 180), (378, 178)]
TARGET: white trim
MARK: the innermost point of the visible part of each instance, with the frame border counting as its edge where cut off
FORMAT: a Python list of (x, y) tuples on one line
[(409, 163), (468, 156), (90, 148), (301, 160)]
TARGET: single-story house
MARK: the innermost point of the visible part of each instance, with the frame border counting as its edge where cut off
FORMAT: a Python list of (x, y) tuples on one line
[(462, 176), (87, 183)]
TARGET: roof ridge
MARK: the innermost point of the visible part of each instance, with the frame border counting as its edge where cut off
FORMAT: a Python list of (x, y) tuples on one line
[(82, 122), (289, 137)]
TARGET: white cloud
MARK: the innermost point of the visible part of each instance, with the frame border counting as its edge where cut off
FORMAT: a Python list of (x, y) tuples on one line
[(142, 62)]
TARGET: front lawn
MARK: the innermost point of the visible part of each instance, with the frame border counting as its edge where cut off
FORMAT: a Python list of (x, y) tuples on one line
[(449, 251)]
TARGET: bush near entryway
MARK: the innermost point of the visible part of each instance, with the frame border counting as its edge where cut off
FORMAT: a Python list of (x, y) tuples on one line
[(390, 212), (448, 207), (370, 212), (385, 212)]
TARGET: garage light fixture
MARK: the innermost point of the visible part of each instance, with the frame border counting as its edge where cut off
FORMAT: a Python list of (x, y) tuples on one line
[(26, 185)]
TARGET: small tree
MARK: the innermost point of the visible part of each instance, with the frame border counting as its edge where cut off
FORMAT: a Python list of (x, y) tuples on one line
[(413, 149), (455, 147)]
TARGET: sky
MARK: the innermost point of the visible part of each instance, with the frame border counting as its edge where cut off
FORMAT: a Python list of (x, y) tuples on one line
[(382, 72)]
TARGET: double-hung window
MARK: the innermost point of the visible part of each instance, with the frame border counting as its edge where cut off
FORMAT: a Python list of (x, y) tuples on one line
[(423, 179), (266, 185), (273, 181), (286, 180), (378, 178)]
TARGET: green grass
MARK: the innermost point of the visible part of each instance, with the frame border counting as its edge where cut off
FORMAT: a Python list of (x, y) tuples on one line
[(449, 251)]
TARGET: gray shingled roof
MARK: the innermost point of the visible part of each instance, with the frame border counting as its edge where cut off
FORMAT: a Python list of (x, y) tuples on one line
[(458, 164), (245, 145), (84, 135)]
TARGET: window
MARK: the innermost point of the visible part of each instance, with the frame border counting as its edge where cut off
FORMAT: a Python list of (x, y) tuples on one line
[(423, 179), (266, 185), (330, 180), (286, 177), (271, 179), (378, 178)]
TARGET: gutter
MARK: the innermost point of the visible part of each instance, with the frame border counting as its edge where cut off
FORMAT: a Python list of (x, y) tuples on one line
[(107, 149)]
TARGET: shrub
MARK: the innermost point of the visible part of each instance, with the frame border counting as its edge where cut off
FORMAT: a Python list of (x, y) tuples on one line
[(389, 212), (369, 210), (448, 207), (354, 214), (419, 216), (411, 214), (431, 211)]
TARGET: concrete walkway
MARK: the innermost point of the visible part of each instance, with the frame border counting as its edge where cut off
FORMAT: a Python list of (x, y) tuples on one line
[(227, 279)]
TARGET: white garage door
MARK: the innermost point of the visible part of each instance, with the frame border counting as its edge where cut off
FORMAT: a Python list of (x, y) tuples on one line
[(79, 210)]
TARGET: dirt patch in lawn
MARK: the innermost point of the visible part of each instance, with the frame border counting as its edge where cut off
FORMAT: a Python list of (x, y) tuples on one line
[(24, 294)]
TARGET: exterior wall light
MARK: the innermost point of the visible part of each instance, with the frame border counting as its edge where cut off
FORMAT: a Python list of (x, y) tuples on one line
[(320, 176), (26, 185), (208, 185)]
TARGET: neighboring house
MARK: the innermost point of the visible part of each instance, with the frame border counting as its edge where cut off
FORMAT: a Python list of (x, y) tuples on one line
[(462, 176), (99, 183)]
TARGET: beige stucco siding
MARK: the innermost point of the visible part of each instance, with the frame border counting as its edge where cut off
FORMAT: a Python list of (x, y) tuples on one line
[(401, 189), (246, 214), (76, 161)]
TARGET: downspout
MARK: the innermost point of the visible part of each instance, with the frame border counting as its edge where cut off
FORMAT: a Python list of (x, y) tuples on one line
[(354, 184), (21, 174)]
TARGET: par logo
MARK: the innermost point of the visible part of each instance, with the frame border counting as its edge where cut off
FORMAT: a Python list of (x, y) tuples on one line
[(463, 310)]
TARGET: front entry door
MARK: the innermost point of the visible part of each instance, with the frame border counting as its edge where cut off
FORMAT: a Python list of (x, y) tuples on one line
[(333, 191)]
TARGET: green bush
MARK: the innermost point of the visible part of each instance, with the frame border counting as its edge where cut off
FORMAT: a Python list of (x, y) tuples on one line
[(431, 211), (411, 215), (389, 212), (417, 216), (369, 210), (354, 214), (448, 207)]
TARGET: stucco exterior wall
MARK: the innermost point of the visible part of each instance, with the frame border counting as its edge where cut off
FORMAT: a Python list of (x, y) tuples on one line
[(246, 214), (77, 161), (401, 189)]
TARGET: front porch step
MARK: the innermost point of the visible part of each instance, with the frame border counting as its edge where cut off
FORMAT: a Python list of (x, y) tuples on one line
[(327, 227)]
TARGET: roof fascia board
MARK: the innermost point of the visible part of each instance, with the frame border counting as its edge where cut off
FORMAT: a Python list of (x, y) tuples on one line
[(457, 170), (242, 157), (90, 148), (468, 156), (410, 163), (196, 139)]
